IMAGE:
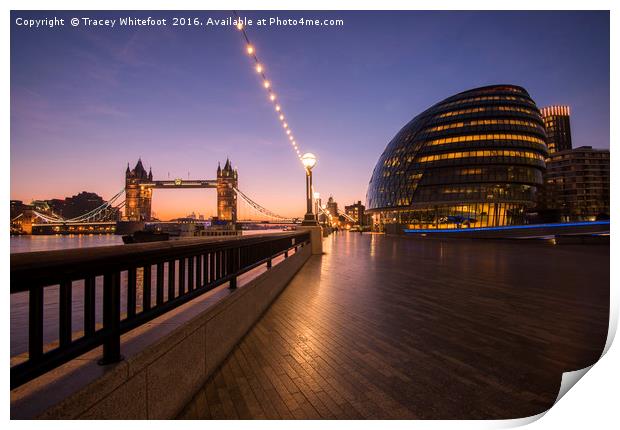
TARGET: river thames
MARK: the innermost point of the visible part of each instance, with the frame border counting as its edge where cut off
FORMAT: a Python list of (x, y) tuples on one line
[(31, 243)]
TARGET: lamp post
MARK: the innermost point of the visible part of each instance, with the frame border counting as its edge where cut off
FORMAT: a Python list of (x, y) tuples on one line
[(309, 161), (317, 199)]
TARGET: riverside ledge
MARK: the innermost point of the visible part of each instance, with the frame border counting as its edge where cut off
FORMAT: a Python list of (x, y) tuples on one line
[(181, 349)]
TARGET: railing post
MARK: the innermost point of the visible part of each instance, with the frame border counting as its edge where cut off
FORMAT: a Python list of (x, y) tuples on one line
[(181, 276), (198, 280), (89, 305), (131, 293), (205, 269), (64, 309), (146, 287), (35, 323), (232, 269), (211, 266), (190, 273), (111, 318), (171, 278), (159, 296)]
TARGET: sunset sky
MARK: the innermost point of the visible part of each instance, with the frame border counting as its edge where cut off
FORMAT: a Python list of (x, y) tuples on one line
[(87, 101)]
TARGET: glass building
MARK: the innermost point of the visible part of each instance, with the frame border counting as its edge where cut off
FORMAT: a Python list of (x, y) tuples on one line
[(557, 126), (576, 184), (472, 160)]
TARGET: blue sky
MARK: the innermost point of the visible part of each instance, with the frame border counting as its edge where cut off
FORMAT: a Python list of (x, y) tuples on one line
[(86, 101)]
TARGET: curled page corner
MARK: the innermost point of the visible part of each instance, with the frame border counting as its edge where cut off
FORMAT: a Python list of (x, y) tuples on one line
[(569, 379), (520, 422)]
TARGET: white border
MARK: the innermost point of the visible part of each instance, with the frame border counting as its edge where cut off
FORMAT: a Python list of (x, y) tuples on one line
[(592, 404)]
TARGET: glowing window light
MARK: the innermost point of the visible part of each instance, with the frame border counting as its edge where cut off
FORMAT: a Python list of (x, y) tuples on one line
[(250, 49)]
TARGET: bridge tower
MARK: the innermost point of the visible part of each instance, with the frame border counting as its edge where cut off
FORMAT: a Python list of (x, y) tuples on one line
[(227, 180), (138, 196)]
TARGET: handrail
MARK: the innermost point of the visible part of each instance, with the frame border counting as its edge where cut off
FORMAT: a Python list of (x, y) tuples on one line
[(168, 274)]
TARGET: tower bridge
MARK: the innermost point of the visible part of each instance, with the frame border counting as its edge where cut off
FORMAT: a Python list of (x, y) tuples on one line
[(121, 216), (139, 186)]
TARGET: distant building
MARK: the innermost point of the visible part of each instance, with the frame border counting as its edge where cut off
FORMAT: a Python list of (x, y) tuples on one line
[(332, 207), (357, 211), (41, 205), (77, 205), (557, 126), (20, 217), (70, 207), (576, 185), (18, 207)]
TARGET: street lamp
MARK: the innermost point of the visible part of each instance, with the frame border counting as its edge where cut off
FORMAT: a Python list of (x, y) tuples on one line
[(317, 200), (309, 161)]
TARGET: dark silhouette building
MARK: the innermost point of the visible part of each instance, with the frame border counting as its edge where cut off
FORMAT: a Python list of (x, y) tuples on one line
[(18, 207), (557, 126), (576, 185), (69, 207), (474, 159), (77, 205)]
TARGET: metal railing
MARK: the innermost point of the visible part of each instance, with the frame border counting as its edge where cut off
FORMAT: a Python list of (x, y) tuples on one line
[(167, 274)]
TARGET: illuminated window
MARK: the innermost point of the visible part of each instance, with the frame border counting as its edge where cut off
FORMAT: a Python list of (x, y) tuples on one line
[(488, 98), (487, 109), (478, 137), (480, 154)]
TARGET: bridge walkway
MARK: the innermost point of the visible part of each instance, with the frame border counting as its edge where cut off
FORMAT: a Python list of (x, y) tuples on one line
[(389, 327)]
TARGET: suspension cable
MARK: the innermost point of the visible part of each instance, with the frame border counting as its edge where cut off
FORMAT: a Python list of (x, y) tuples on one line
[(260, 208)]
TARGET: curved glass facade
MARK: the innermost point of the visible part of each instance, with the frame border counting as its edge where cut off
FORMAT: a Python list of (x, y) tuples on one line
[(474, 159)]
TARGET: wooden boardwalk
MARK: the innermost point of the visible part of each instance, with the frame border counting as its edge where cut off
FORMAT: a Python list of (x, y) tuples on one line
[(383, 327)]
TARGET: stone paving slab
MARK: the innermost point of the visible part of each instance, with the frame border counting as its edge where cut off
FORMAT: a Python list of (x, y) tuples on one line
[(385, 327)]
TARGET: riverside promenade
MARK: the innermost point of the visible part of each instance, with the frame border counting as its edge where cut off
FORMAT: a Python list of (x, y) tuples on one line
[(394, 327)]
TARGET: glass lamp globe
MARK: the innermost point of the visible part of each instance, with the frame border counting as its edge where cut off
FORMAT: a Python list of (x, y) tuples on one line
[(308, 160)]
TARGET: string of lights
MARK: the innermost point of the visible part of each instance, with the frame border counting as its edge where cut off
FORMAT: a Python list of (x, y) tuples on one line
[(259, 67)]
